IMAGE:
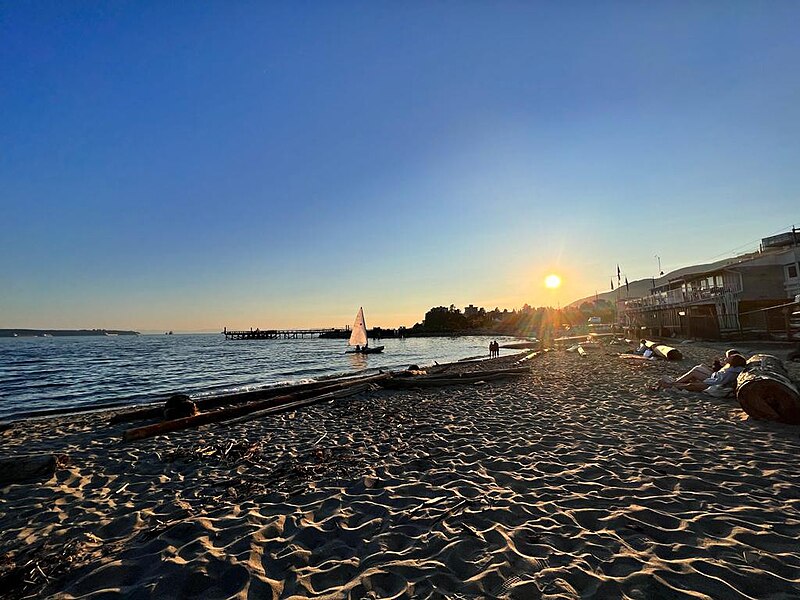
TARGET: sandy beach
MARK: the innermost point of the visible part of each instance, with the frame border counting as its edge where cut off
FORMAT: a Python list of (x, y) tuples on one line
[(575, 481)]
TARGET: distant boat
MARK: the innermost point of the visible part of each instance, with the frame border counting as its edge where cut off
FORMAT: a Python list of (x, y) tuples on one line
[(105, 333), (359, 336), (168, 333), (14, 335), (47, 335)]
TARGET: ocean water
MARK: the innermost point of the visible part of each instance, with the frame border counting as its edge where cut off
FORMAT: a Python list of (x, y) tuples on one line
[(39, 374)]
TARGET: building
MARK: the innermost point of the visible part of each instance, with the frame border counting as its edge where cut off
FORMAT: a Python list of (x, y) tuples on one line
[(750, 294)]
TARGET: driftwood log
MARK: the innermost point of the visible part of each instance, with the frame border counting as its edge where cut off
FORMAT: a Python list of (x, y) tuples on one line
[(205, 404), (423, 381), (764, 391), (528, 357), (666, 352), (34, 466), (351, 391), (226, 414), (522, 345), (636, 357)]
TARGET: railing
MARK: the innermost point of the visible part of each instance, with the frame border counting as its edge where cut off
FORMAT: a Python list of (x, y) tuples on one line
[(677, 297)]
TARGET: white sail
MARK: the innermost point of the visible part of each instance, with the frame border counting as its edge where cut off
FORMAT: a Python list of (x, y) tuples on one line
[(359, 335)]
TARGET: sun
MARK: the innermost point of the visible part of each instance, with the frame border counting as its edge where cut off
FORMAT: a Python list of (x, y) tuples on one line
[(552, 281)]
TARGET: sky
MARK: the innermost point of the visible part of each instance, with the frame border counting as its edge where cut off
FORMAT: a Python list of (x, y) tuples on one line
[(190, 166)]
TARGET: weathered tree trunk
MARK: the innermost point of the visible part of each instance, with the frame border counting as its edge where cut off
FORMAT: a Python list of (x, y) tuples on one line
[(351, 391), (226, 414), (205, 404), (465, 378), (764, 391), (22, 468), (666, 352)]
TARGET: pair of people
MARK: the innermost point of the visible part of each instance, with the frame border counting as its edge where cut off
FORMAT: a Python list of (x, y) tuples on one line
[(701, 378), (494, 349)]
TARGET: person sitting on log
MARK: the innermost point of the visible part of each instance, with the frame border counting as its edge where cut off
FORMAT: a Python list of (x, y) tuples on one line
[(701, 377)]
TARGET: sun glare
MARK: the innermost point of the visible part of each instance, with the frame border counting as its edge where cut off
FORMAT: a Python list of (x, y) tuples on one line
[(552, 281)]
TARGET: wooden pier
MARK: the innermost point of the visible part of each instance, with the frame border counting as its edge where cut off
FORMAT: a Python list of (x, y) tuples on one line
[(287, 334)]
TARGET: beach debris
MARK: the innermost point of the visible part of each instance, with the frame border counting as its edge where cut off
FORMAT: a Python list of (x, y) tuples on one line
[(224, 452), (179, 406), (28, 573), (35, 466), (765, 391)]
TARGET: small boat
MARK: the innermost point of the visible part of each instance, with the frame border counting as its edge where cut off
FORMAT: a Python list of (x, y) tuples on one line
[(359, 336)]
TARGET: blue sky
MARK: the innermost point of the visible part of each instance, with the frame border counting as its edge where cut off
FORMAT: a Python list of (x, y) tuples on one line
[(189, 166)]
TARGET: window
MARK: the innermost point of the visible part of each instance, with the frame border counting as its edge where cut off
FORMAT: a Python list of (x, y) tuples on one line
[(791, 271)]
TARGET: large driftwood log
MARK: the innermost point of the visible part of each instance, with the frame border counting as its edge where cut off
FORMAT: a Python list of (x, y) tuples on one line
[(226, 414), (23, 468), (205, 404), (666, 352), (522, 345), (764, 391), (466, 378), (351, 391)]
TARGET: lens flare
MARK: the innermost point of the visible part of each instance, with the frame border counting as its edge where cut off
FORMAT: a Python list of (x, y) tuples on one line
[(552, 281)]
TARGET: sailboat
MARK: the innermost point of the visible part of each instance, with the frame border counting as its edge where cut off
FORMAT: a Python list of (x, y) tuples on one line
[(359, 336)]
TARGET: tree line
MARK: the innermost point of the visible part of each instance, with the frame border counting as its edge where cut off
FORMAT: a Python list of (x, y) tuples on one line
[(541, 322)]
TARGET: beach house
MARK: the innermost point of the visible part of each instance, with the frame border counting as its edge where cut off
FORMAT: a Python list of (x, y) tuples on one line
[(752, 294)]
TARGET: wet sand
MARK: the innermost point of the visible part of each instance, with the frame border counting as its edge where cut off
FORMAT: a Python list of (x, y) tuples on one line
[(574, 481)]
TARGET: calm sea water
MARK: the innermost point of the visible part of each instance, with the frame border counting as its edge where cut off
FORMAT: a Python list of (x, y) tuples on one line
[(65, 372)]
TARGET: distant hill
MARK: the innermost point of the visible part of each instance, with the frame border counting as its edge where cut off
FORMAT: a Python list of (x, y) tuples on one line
[(637, 289), (63, 332)]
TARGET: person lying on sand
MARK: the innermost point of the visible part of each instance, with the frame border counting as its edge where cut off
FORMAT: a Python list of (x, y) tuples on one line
[(701, 377)]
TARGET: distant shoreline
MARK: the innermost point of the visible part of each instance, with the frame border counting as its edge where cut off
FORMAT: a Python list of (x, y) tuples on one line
[(10, 333)]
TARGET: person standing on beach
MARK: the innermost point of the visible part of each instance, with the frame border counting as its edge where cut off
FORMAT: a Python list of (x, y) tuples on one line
[(491, 349)]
